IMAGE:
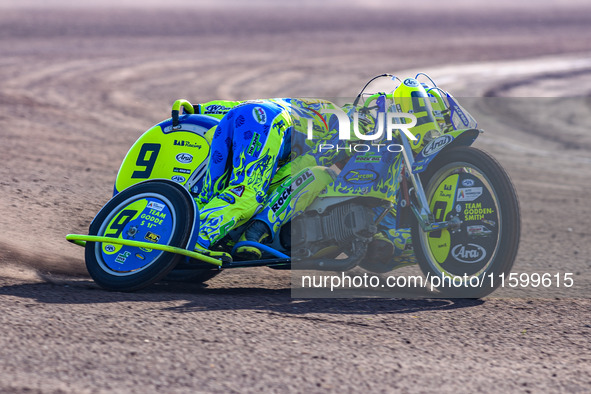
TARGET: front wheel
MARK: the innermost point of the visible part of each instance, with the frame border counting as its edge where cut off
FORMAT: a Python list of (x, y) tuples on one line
[(158, 212), (467, 260)]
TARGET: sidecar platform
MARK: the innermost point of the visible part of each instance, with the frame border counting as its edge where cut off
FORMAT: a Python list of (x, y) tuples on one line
[(281, 260)]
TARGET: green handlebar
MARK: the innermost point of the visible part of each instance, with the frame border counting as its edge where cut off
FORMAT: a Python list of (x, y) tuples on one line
[(176, 110)]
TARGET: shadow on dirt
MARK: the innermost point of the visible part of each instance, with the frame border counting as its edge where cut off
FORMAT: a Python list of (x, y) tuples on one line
[(196, 299)]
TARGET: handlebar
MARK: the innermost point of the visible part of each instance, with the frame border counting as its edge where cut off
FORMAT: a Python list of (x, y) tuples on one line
[(375, 96), (176, 110)]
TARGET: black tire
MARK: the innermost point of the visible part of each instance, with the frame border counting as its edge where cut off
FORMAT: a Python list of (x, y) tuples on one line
[(485, 244), (174, 203)]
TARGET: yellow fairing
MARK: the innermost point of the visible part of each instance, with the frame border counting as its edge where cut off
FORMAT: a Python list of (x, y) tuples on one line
[(173, 155)]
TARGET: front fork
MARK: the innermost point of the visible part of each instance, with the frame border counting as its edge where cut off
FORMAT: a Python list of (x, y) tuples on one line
[(421, 208)]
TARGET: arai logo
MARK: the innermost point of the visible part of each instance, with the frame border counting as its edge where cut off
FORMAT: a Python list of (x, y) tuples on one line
[(413, 83), (184, 158), (437, 144), (468, 254)]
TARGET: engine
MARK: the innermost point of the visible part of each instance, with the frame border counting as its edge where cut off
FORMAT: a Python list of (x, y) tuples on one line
[(330, 232)]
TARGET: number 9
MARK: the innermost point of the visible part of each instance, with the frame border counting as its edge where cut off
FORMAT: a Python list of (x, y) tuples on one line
[(146, 158)]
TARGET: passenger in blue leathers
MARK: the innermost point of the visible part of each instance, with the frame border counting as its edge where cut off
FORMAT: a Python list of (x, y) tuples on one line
[(251, 155)]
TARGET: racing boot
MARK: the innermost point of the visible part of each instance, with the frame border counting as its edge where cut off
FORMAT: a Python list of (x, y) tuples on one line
[(218, 255), (257, 231), (389, 251), (380, 249)]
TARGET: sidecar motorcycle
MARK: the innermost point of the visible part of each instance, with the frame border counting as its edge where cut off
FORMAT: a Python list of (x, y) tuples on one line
[(454, 205)]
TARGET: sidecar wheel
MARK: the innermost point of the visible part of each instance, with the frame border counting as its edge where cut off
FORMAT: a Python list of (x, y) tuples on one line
[(466, 183), (152, 211)]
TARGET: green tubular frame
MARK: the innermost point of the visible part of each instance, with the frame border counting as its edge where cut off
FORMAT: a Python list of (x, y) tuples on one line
[(81, 240)]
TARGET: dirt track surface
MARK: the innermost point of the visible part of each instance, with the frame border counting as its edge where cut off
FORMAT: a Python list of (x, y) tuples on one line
[(79, 86)]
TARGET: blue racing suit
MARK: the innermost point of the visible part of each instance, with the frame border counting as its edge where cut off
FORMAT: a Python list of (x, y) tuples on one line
[(251, 154)]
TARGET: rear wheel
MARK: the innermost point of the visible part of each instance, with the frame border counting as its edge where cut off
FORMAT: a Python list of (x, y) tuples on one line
[(468, 184), (158, 212)]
